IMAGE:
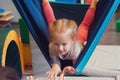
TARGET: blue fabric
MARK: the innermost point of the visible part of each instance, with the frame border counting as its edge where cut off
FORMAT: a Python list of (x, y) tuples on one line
[(119, 6), (31, 12)]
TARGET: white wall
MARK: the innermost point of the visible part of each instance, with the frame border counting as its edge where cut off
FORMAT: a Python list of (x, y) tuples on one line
[(8, 5)]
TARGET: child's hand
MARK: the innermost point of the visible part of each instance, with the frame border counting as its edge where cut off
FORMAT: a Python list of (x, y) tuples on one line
[(55, 78), (61, 77), (69, 69), (53, 72)]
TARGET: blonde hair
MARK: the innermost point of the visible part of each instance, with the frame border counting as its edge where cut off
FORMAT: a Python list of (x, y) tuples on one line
[(62, 26)]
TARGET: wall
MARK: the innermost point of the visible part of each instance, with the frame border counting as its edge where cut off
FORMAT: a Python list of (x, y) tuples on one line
[(8, 5)]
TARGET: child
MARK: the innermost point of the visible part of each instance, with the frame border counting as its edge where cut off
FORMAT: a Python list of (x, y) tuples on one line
[(66, 39)]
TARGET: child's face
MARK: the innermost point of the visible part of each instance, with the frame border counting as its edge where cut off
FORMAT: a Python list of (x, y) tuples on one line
[(62, 43)]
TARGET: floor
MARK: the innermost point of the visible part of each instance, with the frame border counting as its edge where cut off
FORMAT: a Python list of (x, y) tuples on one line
[(109, 43)]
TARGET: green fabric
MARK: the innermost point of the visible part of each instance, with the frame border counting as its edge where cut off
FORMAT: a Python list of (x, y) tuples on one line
[(3, 34), (118, 25), (24, 33)]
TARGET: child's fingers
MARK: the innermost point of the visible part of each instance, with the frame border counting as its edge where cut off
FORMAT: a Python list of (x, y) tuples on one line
[(47, 73), (50, 75), (61, 77), (55, 77), (66, 69), (69, 69), (73, 71)]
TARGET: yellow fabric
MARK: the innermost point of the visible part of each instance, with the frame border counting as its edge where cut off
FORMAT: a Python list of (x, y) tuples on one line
[(27, 54)]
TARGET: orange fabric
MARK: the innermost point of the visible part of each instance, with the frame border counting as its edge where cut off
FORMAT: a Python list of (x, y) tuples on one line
[(49, 14), (84, 26), (82, 33)]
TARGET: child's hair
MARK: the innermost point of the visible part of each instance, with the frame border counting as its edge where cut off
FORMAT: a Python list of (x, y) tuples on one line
[(8, 73), (62, 26)]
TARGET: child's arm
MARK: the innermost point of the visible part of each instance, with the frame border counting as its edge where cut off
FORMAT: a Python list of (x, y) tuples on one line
[(49, 14), (55, 63)]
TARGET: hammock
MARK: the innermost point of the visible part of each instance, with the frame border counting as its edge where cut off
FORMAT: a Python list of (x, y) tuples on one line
[(32, 13)]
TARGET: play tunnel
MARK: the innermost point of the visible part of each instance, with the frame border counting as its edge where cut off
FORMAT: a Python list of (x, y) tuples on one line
[(10, 50)]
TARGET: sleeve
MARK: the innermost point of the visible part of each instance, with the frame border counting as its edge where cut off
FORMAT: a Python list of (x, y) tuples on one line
[(83, 28), (53, 56), (49, 14)]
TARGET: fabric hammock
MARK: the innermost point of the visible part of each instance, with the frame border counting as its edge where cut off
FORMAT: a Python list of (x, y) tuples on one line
[(31, 12)]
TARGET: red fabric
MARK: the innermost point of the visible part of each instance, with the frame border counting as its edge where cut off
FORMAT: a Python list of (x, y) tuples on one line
[(84, 26), (49, 14)]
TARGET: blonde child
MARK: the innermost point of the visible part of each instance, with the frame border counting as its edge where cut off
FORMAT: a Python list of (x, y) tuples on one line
[(66, 39)]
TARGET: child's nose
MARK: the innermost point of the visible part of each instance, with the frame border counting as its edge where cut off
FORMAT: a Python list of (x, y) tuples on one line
[(60, 48)]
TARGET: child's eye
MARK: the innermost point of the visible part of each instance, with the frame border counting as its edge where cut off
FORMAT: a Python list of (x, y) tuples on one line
[(56, 43), (64, 44)]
